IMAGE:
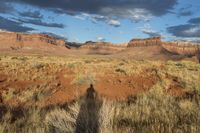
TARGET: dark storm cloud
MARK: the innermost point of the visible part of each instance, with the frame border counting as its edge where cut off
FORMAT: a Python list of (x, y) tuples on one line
[(194, 20), (31, 14), (55, 35), (5, 7), (186, 30), (39, 22), (14, 26), (113, 8), (185, 13), (151, 33)]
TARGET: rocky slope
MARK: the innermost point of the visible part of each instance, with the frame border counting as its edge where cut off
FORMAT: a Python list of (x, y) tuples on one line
[(154, 41), (136, 48), (17, 41), (182, 48), (102, 47)]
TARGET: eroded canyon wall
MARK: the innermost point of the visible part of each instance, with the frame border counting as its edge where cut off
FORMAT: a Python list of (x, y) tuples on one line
[(103, 46), (154, 41), (11, 40), (182, 48)]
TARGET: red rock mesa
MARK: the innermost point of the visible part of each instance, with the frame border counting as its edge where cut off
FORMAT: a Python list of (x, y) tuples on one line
[(103, 46), (154, 41), (182, 48), (15, 41)]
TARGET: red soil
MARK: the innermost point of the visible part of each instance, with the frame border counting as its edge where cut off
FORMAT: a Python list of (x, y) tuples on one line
[(62, 90), (111, 86)]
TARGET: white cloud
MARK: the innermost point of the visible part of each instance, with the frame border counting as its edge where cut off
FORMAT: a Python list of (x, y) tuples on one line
[(2, 30), (97, 18), (79, 17), (101, 39), (149, 31), (187, 39), (191, 30), (139, 15), (114, 23), (136, 14)]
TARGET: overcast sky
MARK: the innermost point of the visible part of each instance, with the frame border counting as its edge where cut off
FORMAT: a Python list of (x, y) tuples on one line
[(116, 21)]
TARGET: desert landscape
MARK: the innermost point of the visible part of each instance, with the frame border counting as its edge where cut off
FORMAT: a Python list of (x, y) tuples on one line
[(99, 66), (145, 85)]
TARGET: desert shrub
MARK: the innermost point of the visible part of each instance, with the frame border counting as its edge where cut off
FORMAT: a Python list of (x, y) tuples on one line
[(121, 70), (23, 121), (81, 79), (38, 66), (8, 95), (33, 122), (2, 127), (26, 95), (155, 111), (121, 63), (186, 72), (71, 65), (21, 58), (60, 120), (88, 61), (107, 113)]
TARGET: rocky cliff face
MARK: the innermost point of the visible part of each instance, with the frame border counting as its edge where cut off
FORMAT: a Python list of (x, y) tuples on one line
[(182, 48), (154, 41), (103, 46), (14, 41)]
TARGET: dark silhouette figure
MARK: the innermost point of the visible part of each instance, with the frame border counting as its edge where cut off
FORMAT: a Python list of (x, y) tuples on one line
[(87, 121), (198, 57), (1, 98), (91, 92)]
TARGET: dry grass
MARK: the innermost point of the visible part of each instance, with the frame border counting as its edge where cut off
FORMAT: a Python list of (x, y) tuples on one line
[(157, 112), (60, 120), (152, 111)]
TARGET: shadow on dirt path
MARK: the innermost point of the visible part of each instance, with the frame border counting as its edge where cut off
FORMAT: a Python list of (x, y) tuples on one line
[(88, 117)]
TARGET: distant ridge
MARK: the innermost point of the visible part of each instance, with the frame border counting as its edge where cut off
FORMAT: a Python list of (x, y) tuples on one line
[(181, 48), (147, 48), (16, 41)]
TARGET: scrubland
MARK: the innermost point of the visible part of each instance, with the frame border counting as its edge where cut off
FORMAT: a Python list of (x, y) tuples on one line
[(41, 94)]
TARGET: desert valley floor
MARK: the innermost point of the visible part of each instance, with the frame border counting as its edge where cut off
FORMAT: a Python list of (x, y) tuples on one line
[(47, 93), (48, 85)]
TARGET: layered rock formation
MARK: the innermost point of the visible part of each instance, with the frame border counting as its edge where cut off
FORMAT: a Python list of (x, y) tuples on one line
[(154, 41), (182, 48), (106, 46), (178, 48), (15, 41)]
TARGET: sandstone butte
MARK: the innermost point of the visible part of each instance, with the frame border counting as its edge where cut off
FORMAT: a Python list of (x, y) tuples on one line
[(103, 46), (16, 41), (154, 41), (181, 48)]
